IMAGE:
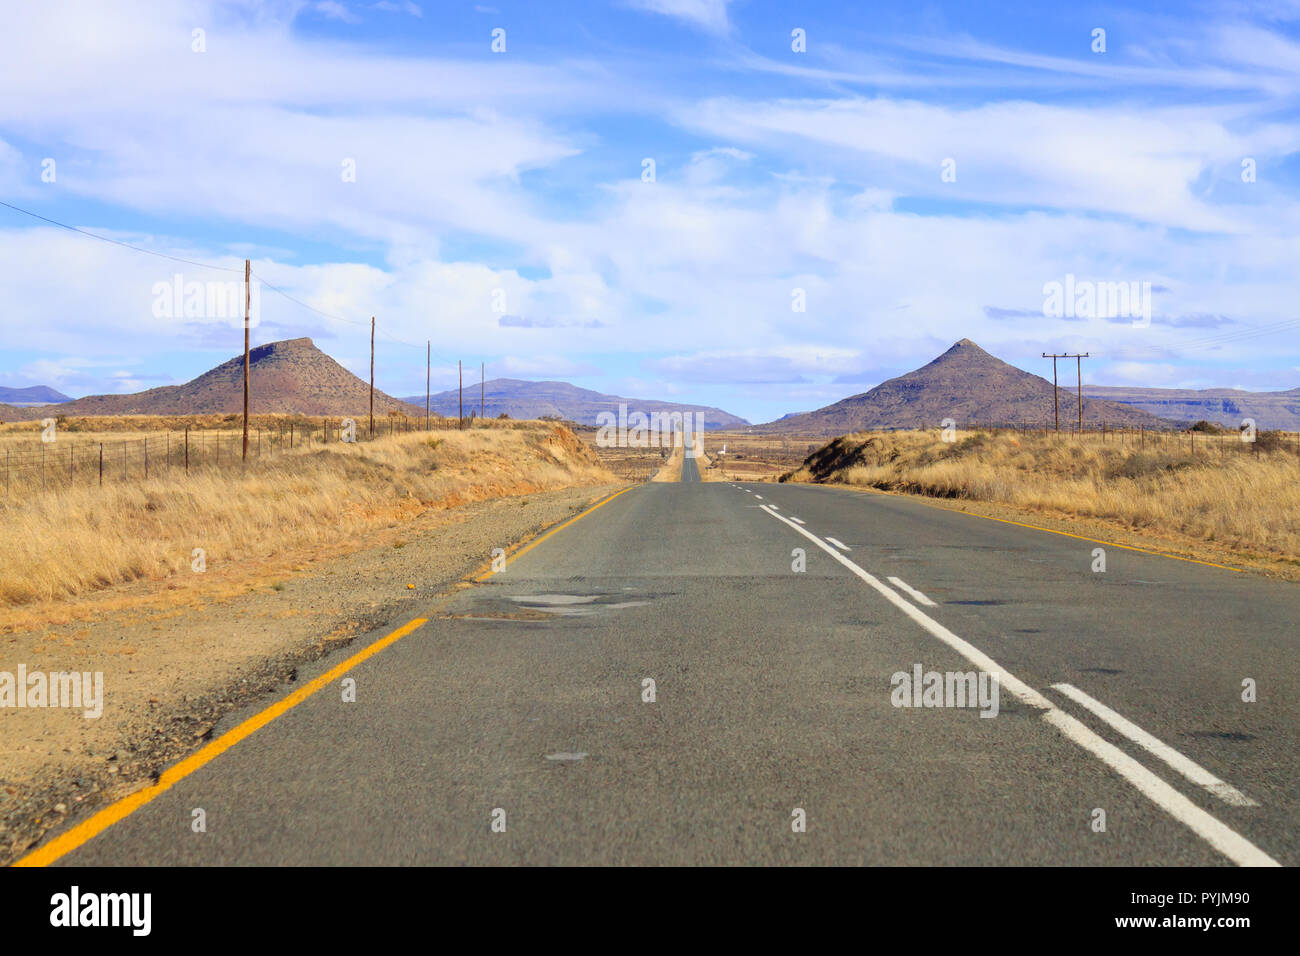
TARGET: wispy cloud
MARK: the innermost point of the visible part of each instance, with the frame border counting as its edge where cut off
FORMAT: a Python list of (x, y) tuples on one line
[(710, 15)]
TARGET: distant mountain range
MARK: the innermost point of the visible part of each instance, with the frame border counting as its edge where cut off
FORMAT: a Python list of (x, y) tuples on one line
[(966, 384), (1224, 406), (34, 395), (289, 377), (521, 399)]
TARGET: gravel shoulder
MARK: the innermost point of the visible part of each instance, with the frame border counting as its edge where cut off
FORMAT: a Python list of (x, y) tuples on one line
[(171, 672)]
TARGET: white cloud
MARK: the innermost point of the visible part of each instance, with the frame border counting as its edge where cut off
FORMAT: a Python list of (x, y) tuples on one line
[(333, 10), (406, 6), (710, 15)]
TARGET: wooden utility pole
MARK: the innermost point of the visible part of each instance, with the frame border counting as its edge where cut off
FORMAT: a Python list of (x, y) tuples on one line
[(372, 376), (428, 366), (1078, 368), (460, 402), (482, 388), (248, 268), (1056, 401)]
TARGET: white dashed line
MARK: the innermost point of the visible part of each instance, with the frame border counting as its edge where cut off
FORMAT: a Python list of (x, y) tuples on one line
[(1220, 836), (1184, 765), (759, 497), (795, 520), (917, 595), (839, 544)]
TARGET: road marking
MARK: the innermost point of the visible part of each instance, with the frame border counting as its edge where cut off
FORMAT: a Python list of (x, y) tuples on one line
[(1224, 839), (1220, 836), (67, 842), (796, 520), (558, 528), (759, 497), (904, 586), (1184, 765), (839, 544)]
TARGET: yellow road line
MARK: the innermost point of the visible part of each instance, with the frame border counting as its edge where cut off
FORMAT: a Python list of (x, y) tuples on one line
[(1021, 524), (558, 528), (101, 821)]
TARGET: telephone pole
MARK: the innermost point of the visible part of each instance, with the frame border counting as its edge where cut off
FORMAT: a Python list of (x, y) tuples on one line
[(248, 268), (372, 376), (460, 401), (428, 366), (482, 387), (1056, 401), (1078, 368)]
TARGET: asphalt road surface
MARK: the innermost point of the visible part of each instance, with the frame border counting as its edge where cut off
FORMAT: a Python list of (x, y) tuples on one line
[(525, 701)]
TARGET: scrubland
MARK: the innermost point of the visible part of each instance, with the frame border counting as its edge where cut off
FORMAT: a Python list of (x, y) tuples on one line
[(1239, 498), (69, 541)]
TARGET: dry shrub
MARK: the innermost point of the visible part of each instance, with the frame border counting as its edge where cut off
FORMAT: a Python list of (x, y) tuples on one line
[(83, 537)]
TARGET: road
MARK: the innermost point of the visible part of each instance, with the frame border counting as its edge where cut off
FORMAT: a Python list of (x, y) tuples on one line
[(524, 700)]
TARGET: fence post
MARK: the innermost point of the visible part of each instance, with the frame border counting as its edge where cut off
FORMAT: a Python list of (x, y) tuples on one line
[(187, 449), (101, 464), (42, 466), (146, 459)]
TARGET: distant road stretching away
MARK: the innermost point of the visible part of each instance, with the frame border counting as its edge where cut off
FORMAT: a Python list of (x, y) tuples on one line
[(1119, 692)]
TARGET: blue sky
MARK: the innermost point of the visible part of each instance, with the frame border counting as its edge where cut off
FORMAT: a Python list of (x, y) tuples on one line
[(499, 205)]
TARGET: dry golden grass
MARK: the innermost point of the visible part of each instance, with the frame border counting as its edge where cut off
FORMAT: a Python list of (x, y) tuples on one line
[(1235, 500), (81, 538)]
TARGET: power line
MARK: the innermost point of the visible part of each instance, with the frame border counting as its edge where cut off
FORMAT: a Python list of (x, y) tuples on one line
[(116, 242), (206, 265)]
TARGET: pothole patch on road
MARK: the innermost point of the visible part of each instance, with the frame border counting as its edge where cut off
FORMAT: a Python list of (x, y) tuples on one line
[(547, 607)]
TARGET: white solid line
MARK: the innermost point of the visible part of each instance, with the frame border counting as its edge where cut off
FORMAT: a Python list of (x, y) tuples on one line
[(1220, 836), (1227, 841), (795, 520), (1184, 765), (839, 544), (904, 586)]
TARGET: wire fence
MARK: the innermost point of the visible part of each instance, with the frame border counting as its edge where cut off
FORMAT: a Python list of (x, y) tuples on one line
[(36, 465), (1223, 443)]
